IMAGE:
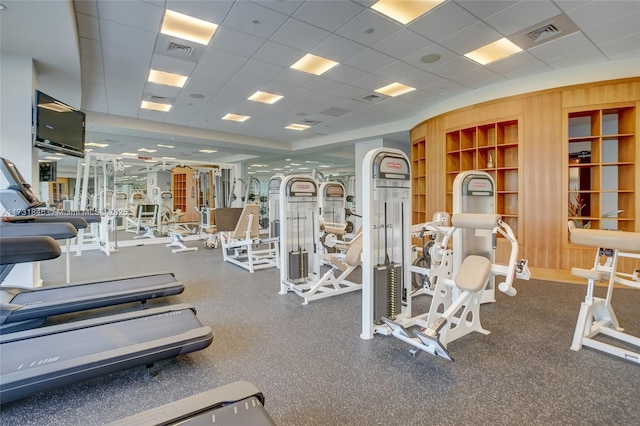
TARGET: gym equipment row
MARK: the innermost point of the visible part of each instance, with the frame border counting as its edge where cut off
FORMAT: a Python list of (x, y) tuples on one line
[(458, 279), (40, 359), (307, 231)]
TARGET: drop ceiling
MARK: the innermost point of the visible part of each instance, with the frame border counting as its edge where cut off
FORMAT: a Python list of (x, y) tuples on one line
[(257, 41)]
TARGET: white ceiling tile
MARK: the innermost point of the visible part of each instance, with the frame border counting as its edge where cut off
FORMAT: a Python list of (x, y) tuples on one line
[(94, 97), (371, 82), (560, 47), (255, 75), (278, 54), (287, 7), (96, 78), (445, 56), (369, 60), (518, 65), (349, 92), (589, 55), (398, 71), (421, 80), (132, 63), (597, 12), (91, 64), (344, 74), (325, 85), (90, 48), (479, 77), (401, 43), (455, 67), (567, 5), (615, 28), (484, 8), (216, 59), (330, 18), (337, 48), (86, 7), (294, 77), (236, 42), (124, 94), (136, 14), (626, 47), (299, 35), (88, 26), (211, 11), (444, 20), (146, 114), (446, 88), (278, 88), (172, 65), (244, 13), (136, 84), (355, 29), (169, 92), (126, 37), (122, 106), (471, 38), (522, 15)]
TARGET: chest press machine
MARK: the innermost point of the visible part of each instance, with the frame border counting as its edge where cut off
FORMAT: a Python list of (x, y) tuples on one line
[(596, 316)]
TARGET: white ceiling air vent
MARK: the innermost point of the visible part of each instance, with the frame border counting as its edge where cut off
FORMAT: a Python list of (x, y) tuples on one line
[(310, 122), (161, 99), (335, 111), (543, 33), (179, 49), (372, 98)]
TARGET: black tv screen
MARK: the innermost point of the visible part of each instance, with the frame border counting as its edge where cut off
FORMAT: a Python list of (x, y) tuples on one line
[(59, 128)]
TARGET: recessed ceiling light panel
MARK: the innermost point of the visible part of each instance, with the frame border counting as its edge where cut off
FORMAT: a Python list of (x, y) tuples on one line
[(236, 117), (313, 64), (96, 144), (155, 106), (265, 97), (405, 11), (167, 78), (187, 27), (395, 89), (208, 151), (492, 52), (295, 126)]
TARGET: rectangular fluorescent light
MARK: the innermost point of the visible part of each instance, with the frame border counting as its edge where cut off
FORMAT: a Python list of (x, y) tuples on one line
[(395, 89), (53, 158), (314, 64), (155, 106), (168, 158), (208, 151), (187, 27), (236, 117), (167, 78), (96, 144), (129, 154), (295, 126), (493, 51), (165, 146), (405, 11), (88, 150), (147, 150), (265, 98)]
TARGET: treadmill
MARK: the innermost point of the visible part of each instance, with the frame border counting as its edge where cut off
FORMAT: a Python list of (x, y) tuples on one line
[(27, 307), (45, 358), (236, 404)]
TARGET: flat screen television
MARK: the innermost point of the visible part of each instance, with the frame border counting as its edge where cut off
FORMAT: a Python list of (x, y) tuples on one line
[(59, 128)]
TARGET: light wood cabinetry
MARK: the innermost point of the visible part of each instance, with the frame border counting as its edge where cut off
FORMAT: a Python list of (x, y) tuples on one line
[(601, 147), (191, 189), (493, 148), (529, 137)]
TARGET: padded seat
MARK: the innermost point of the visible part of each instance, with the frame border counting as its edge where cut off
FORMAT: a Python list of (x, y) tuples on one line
[(618, 240), (473, 273)]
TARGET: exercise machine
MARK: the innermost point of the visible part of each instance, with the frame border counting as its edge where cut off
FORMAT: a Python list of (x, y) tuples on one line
[(40, 359), (298, 226), (597, 317), (331, 214), (455, 306), (242, 245), (474, 192), (234, 404), (386, 187), (274, 206)]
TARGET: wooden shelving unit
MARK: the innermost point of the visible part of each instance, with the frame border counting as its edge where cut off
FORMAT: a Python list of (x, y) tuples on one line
[(602, 167), (418, 181), (493, 148), (179, 187)]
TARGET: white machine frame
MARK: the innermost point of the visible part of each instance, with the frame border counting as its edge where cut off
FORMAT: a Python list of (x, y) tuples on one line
[(386, 179), (240, 246), (454, 310), (596, 316)]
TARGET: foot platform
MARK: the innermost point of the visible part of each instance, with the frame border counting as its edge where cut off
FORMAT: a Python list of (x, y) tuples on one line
[(421, 341), (436, 347)]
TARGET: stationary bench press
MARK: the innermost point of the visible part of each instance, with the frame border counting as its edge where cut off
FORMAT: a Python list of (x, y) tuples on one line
[(596, 316)]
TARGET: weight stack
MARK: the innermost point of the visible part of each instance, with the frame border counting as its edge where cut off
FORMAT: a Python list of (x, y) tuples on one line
[(298, 265), (383, 286)]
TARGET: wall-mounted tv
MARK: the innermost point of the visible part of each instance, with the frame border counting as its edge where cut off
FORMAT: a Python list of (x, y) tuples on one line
[(59, 128)]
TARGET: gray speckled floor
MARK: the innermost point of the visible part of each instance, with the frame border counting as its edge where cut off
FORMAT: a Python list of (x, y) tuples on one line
[(315, 370)]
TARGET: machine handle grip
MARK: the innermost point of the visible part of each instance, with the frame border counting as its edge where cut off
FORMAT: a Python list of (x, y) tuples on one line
[(507, 289)]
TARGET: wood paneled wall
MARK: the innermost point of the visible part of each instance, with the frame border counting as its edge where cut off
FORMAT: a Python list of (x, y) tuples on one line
[(543, 162)]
